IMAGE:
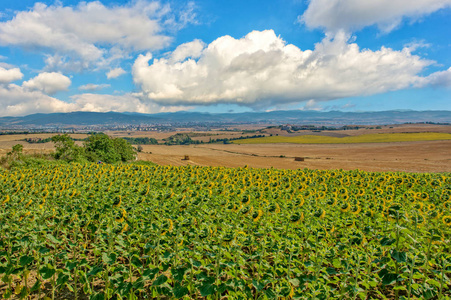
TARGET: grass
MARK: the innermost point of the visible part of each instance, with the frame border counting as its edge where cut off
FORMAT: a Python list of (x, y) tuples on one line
[(364, 138)]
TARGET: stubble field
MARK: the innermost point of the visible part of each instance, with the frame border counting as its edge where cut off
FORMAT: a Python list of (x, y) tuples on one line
[(412, 156)]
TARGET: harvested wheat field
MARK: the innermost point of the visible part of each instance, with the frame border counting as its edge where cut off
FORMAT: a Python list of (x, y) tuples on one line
[(408, 156), (429, 156)]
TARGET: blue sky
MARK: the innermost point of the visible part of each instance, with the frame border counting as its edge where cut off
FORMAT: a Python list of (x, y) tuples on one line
[(224, 56)]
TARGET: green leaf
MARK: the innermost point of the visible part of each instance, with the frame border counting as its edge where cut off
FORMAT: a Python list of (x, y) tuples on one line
[(400, 257), (62, 279), (178, 273), (207, 289), (36, 286), (149, 274), (270, 293), (385, 241), (70, 265), (44, 250), (109, 259), (46, 272), (295, 282), (160, 280), (331, 271), (69, 287), (94, 271), (25, 260), (179, 291), (258, 285), (389, 278), (7, 294), (53, 239), (433, 282), (98, 296), (136, 261)]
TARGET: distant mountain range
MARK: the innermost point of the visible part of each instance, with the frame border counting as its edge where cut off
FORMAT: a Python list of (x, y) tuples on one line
[(196, 118)]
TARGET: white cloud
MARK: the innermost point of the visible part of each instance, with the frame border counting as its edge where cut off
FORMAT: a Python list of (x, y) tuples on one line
[(119, 103), (260, 69), (93, 87), (104, 103), (90, 33), (18, 101), (439, 79), (9, 75), (114, 73), (49, 83), (188, 50), (350, 15), (312, 105)]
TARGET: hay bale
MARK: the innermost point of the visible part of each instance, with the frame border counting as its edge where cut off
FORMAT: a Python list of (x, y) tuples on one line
[(186, 157), (299, 158)]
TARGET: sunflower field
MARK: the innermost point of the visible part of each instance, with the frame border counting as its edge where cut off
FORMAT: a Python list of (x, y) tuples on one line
[(129, 231)]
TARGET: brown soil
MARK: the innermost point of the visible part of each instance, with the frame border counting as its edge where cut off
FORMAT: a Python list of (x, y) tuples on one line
[(432, 156)]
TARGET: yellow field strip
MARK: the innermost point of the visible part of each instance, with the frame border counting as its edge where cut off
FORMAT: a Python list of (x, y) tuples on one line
[(365, 138)]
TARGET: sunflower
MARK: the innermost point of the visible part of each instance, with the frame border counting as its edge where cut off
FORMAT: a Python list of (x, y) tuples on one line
[(360, 192), (389, 198), (369, 213), (28, 203), (125, 228), (418, 205), (246, 200), (350, 223), (6, 199), (342, 191), (246, 210), (257, 215), (433, 214), (331, 201), (320, 213), (446, 220), (447, 204), (423, 196), (329, 229), (299, 202), (321, 194), (168, 226), (345, 207), (228, 238), (296, 217), (446, 195), (355, 209)]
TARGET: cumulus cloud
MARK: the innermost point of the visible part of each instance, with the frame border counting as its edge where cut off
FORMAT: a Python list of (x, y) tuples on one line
[(93, 87), (90, 33), (114, 73), (49, 83), (9, 75), (192, 49), (16, 100), (350, 15), (105, 103), (438, 79), (261, 69)]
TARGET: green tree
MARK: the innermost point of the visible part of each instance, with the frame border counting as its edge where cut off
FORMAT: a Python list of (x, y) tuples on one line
[(124, 149), (100, 147), (17, 151), (66, 148)]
